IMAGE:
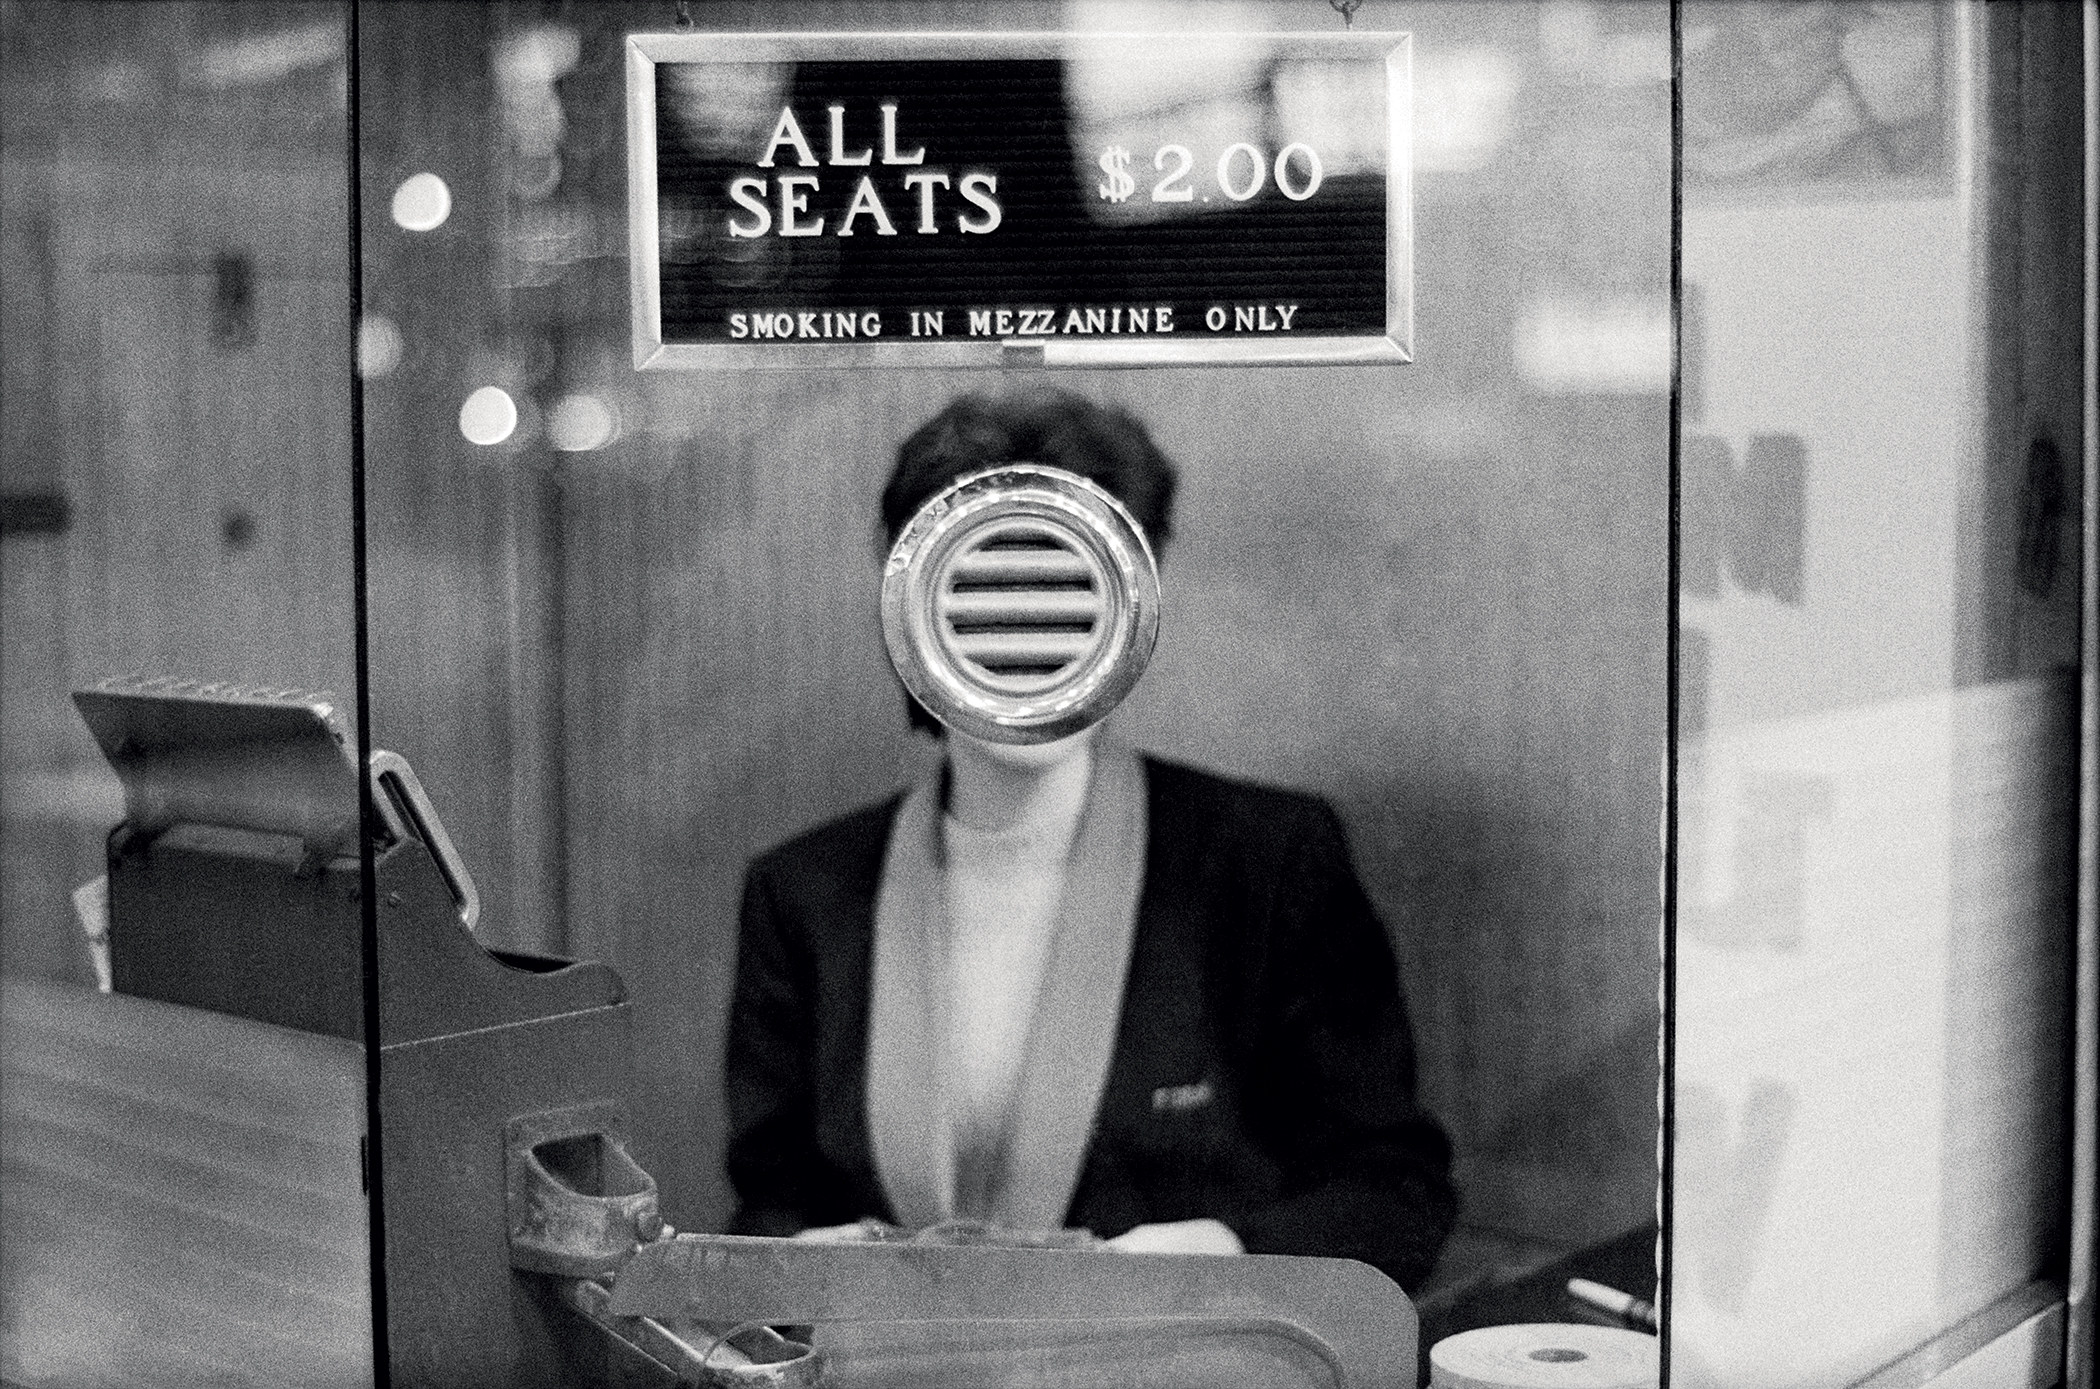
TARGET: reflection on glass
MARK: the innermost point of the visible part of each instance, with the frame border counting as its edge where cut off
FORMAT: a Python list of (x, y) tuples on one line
[(180, 1195), (1875, 771), (1779, 94), (379, 346), (488, 416), (645, 648), (422, 202), (581, 423)]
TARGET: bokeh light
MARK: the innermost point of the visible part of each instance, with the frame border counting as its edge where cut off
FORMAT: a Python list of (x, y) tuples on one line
[(580, 423), (378, 346), (488, 416), (422, 202)]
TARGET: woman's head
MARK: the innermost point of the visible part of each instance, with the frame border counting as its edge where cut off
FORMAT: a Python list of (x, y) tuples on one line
[(1100, 443)]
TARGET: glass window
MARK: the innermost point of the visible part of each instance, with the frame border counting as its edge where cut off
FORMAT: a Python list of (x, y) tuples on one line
[(625, 623), (303, 295), (1879, 648)]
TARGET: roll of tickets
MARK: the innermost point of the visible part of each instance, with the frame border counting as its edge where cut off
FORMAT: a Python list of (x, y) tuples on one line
[(1545, 1356)]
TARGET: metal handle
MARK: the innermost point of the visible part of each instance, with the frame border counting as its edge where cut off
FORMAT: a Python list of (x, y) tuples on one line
[(752, 1356), (578, 1204), (399, 795)]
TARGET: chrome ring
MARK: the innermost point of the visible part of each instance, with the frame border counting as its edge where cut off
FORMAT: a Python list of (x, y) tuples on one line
[(1021, 604)]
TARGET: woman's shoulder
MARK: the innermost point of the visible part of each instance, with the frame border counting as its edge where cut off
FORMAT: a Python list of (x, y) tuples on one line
[(849, 845), (1181, 784), (1234, 805)]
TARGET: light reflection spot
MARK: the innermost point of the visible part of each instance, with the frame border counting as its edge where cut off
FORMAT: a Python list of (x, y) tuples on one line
[(580, 423), (488, 416), (422, 202), (378, 346)]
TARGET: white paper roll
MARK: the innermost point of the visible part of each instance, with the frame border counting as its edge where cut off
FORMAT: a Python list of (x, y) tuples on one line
[(1545, 1357)]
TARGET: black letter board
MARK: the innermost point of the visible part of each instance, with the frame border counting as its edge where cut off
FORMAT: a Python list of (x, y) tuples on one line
[(992, 199)]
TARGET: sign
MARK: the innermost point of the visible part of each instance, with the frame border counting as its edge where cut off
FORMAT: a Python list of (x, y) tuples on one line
[(823, 200)]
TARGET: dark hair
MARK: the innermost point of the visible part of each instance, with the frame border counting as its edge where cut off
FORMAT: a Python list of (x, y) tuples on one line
[(1098, 442)]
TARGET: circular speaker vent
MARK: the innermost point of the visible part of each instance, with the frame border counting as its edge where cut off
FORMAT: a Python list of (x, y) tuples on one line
[(1021, 604)]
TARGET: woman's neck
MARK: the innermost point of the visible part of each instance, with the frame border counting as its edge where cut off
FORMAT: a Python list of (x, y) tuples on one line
[(993, 787)]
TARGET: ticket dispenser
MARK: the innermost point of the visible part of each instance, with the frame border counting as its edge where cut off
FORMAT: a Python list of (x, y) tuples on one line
[(234, 886)]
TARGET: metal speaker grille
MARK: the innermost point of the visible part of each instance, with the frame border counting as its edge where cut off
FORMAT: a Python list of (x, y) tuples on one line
[(1021, 604)]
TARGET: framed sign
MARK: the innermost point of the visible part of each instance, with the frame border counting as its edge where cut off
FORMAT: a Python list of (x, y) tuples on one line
[(821, 200)]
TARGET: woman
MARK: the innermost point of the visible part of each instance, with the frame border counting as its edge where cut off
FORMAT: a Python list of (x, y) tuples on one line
[(1066, 986)]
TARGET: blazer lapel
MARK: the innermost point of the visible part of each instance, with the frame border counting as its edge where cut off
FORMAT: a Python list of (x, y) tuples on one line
[(907, 1019), (1081, 1005), (1071, 1042)]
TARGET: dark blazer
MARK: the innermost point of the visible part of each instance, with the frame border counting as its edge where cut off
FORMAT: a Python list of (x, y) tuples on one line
[(1263, 1072)]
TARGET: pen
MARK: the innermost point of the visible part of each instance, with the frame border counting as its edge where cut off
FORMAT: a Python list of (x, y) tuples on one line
[(1624, 1305)]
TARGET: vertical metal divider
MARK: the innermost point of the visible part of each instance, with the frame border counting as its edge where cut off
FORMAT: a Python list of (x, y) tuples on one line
[(1666, 974), (368, 813), (2085, 1111)]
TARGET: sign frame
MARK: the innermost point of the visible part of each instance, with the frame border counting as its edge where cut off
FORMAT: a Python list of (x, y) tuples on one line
[(651, 353)]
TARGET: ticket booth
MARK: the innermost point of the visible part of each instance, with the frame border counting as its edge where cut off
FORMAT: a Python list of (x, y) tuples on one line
[(1631, 476)]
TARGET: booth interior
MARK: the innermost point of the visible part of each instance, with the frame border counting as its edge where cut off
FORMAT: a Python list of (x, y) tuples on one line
[(1434, 594), (628, 636)]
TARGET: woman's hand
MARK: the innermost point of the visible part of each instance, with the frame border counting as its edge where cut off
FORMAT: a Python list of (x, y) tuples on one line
[(855, 1233), (1179, 1237)]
